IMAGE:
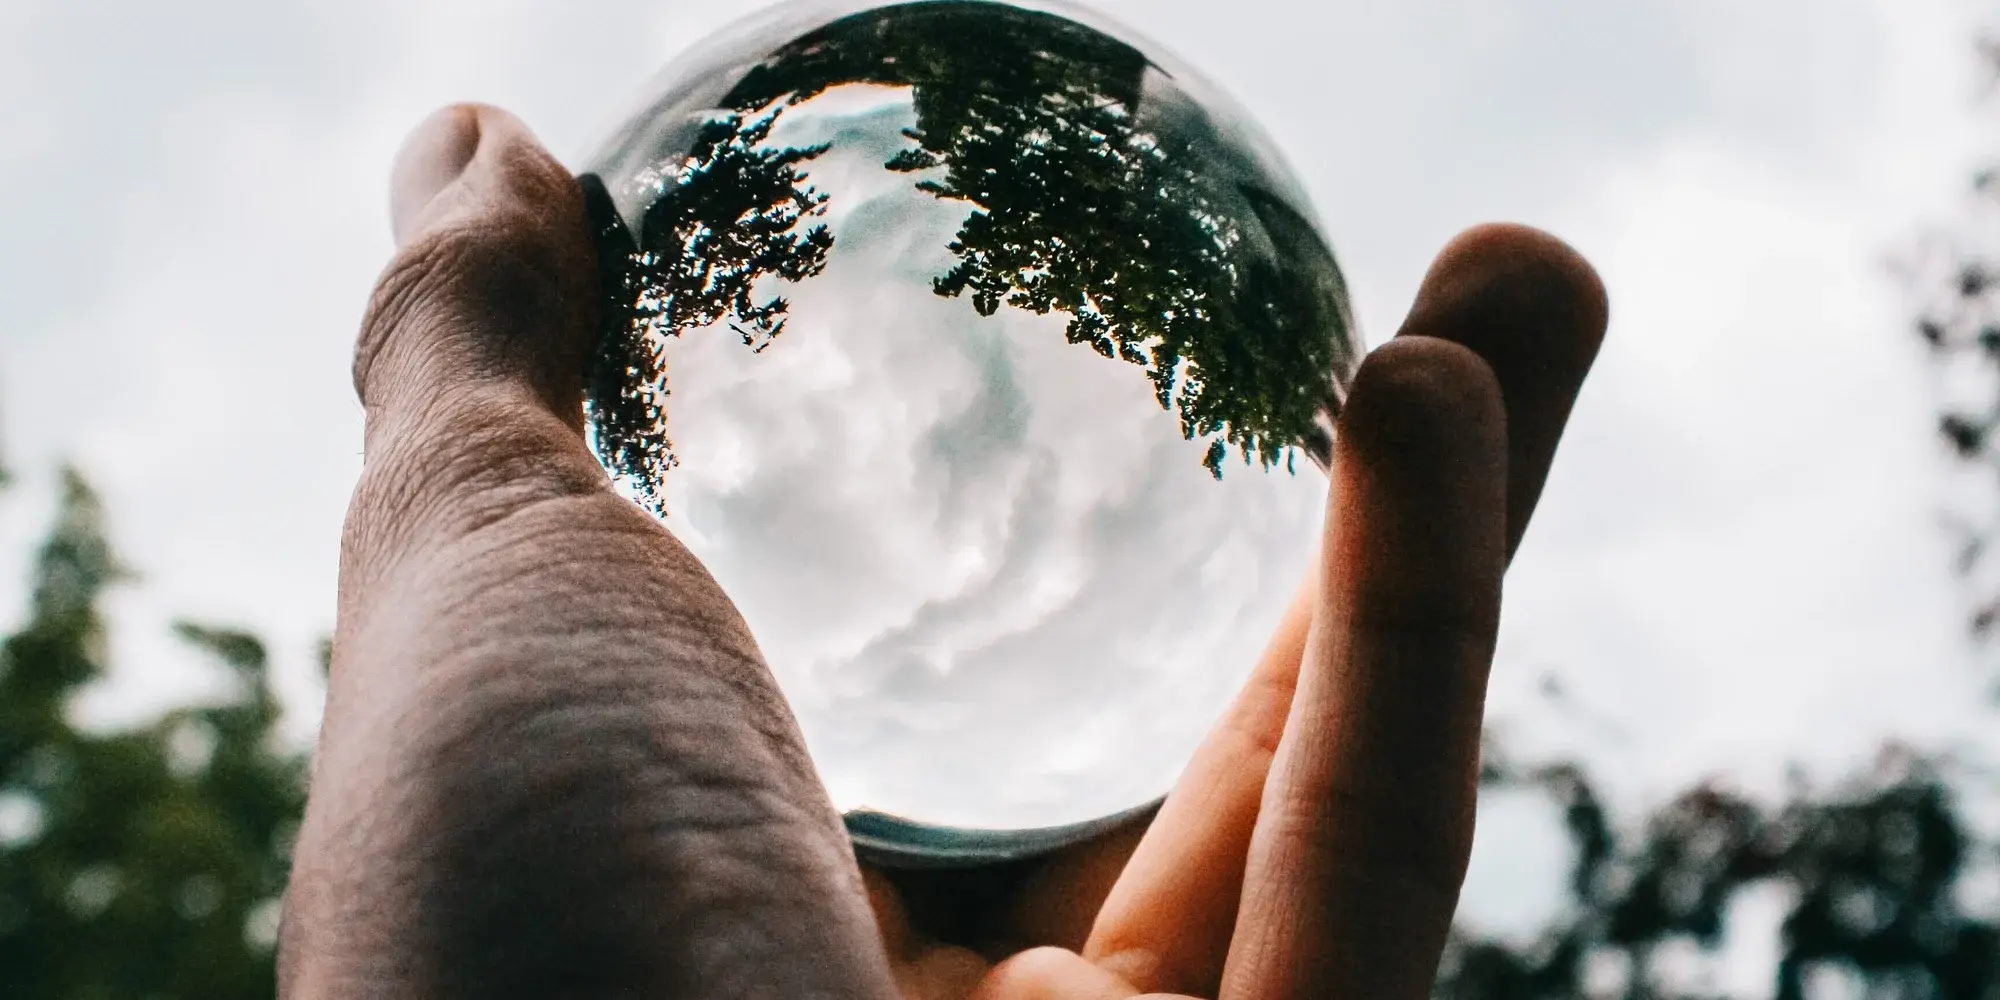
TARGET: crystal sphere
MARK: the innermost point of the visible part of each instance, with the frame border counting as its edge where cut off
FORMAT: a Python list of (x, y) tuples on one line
[(987, 356)]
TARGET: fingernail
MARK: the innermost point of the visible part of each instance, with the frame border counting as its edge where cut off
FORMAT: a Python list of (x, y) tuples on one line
[(434, 156)]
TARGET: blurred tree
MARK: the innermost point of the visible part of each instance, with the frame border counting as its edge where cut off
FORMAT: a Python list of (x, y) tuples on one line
[(1958, 274), (141, 864), (1870, 876), (1955, 271)]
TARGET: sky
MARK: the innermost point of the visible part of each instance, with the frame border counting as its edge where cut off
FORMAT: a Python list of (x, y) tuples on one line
[(1737, 566)]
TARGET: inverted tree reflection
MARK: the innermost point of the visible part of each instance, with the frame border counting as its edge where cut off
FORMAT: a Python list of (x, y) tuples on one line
[(1158, 252), (726, 217), (1214, 286)]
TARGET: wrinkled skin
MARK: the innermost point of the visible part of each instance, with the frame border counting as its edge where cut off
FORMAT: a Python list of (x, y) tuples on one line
[(554, 763)]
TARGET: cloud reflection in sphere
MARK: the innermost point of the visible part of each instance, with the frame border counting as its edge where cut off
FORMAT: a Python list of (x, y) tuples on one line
[(987, 356)]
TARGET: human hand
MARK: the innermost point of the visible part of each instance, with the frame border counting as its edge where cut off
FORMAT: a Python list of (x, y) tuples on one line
[(553, 762)]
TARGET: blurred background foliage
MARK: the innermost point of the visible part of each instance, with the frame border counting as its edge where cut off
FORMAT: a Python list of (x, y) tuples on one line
[(149, 863), (136, 864), (1869, 875)]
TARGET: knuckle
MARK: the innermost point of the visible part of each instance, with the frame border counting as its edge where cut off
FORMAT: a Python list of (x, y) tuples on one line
[(470, 464), (501, 293), (391, 308)]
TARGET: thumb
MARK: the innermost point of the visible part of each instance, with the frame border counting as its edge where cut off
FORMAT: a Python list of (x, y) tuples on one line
[(493, 284)]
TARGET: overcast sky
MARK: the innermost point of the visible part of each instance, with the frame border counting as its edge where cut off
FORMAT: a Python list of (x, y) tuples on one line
[(1737, 564)]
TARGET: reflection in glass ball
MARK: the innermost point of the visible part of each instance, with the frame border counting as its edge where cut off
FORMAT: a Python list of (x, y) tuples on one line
[(987, 357)]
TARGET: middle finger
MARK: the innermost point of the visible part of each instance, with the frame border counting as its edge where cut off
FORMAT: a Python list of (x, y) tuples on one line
[(1535, 312)]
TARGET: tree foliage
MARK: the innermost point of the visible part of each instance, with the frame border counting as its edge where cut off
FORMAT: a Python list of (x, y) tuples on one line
[(725, 218), (1159, 255), (1959, 327), (1160, 249), (1955, 271), (1869, 872), (137, 864)]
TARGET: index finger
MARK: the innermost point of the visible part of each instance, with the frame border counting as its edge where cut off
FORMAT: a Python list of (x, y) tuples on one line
[(1366, 816)]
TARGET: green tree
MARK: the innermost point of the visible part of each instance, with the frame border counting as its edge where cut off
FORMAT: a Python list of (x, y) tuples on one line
[(136, 864), (1872, 867)]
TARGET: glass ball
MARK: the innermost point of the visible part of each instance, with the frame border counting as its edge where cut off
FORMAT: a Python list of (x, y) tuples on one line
[(988, 357)]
